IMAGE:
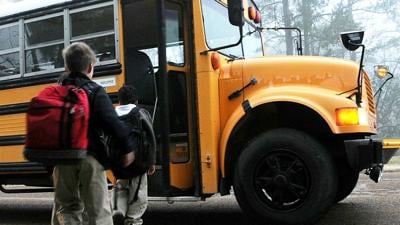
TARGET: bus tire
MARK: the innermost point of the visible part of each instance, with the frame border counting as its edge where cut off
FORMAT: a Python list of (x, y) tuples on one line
[(285, 176), (347, 181)]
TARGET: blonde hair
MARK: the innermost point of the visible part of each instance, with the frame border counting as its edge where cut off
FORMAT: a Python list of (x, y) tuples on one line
[(78, 56)]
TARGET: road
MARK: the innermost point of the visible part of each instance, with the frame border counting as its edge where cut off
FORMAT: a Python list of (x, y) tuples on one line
[(369, 204)]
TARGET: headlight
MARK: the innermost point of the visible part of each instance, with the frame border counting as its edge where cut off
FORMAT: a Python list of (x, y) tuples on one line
[(351, 116), (362, 116), (347, 116)]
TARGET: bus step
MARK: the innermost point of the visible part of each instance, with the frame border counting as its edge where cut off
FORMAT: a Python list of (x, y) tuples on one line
[(176, 199)]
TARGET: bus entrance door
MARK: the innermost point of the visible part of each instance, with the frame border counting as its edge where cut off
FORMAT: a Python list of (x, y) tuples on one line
[(141, 66)]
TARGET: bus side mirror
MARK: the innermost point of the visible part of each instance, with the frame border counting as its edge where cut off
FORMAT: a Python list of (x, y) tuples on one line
[(352, 40), (235, 9)]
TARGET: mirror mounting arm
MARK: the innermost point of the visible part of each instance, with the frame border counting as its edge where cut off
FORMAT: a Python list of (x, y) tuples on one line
[(352, 41), (226, 46), (377, 94), (360, 77)]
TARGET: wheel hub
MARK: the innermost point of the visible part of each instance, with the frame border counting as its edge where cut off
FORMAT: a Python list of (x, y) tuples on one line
[(280, 180)]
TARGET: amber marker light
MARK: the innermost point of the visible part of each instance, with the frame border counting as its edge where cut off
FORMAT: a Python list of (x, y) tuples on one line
[(252, 13), (381, 71), (215, 60), (347, 116)]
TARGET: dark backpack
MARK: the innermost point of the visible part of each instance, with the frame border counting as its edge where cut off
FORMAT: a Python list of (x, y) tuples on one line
[(57, 125), (141, 131)]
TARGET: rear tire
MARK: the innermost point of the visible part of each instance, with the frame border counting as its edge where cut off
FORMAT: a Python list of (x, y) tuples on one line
[(284, 176)]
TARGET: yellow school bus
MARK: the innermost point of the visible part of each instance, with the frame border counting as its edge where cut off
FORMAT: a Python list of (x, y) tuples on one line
[(290, 134)]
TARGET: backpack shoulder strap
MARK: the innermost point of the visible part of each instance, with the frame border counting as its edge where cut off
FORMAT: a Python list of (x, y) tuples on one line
[(145, 114), (148, 127), (136, 194), (90, 89), (133, 111)]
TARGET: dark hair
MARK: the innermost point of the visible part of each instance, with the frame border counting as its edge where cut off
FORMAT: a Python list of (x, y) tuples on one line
[(78, 56), (127, 94)]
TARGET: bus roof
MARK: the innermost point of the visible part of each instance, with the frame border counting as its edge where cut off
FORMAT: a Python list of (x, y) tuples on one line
[(11, 7)]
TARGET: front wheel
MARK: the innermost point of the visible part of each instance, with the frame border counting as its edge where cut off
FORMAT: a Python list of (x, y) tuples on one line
[(284, 176), (347, 180)]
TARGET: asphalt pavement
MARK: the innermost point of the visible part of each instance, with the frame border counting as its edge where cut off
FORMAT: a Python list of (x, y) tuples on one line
[(369, 204)]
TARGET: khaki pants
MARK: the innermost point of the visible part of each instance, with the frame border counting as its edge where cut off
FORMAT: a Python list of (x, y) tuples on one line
[(125, 192), (81, 187)]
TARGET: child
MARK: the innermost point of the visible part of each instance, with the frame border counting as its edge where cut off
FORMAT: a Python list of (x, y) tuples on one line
[(130, 201), (83, 185)]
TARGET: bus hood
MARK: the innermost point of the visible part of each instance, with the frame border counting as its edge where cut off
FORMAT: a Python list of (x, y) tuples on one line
[(334, 74)]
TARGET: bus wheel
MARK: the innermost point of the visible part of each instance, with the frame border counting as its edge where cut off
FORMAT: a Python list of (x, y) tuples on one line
[(348, 179), (284, 176)]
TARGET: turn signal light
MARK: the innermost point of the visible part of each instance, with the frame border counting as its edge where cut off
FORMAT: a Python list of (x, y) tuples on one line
[(252, 13), (215, 60), (347, 116)]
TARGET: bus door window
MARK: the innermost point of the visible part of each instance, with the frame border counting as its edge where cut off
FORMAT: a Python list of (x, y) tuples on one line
[(176, 78), (135, 24), (141, 34), (140, 73)]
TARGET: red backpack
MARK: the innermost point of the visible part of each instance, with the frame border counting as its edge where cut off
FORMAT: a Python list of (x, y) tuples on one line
[(57, 125)]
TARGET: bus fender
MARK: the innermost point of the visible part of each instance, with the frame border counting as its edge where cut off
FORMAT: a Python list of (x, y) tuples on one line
[(312, 100)]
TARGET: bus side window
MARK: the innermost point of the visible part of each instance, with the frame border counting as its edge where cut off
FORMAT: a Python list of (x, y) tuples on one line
[(9, 51), (41, 54), (96, 28)]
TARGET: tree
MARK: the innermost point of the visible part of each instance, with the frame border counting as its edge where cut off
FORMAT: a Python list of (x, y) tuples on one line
[(341, 19), (287, 21), (307, 13)]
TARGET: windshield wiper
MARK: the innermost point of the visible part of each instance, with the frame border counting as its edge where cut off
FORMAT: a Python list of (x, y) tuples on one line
[(234, 57)]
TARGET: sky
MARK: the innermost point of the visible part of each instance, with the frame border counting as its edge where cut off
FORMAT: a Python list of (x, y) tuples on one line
[(8, 7)]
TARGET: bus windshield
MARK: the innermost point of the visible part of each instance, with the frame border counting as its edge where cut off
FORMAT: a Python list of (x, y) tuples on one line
[(220, 32)]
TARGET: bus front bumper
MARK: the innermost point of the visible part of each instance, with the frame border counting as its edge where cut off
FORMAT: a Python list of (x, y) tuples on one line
[(371, 154)]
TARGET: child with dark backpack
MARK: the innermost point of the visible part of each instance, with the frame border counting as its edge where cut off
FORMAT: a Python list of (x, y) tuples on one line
[(130, 191)]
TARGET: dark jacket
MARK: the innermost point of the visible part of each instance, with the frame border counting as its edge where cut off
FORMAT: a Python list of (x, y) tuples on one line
[(103, 119)]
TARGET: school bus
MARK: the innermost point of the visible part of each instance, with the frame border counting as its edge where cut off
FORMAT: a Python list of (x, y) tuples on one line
[(290, 134)]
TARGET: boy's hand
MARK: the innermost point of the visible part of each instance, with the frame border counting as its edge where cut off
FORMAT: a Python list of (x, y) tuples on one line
[(127, 159), (151, 170)]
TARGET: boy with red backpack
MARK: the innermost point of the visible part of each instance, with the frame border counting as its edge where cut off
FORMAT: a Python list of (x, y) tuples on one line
[(78, 147)]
